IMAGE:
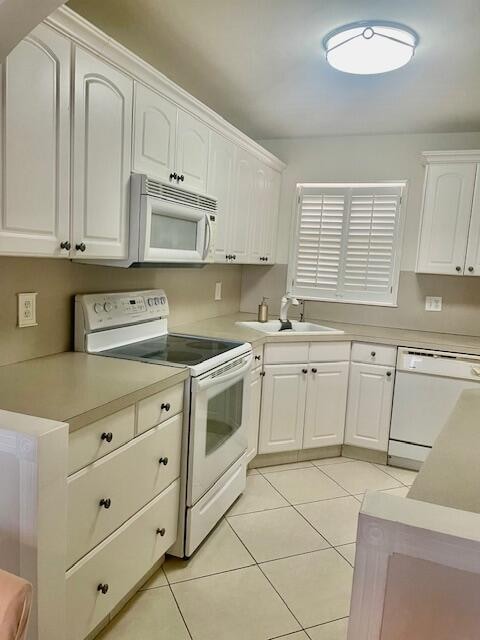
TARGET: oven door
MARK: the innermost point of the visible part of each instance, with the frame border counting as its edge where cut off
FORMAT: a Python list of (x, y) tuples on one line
[(218, 430), (173, 232)]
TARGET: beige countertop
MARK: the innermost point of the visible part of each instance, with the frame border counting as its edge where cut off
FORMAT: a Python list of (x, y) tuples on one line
[(78, 388), (226, 327)]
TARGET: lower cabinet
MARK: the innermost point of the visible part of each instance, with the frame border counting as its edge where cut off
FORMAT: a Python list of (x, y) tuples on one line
[(253, 419), (369, 405)]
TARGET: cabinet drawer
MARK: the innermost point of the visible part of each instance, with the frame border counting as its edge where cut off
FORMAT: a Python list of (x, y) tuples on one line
[(160, 407), (257, 357), (129, 478), (120, 561), (329, 352), (286, 353), (374, 353), (99, 438)]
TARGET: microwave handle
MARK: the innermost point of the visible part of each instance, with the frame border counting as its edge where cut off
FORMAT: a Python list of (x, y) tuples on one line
[(230, 375), (208, 236)]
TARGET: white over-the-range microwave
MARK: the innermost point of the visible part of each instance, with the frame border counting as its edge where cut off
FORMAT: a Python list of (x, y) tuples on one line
[(168, 225)]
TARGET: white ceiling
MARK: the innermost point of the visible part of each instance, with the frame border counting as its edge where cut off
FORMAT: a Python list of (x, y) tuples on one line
[(260, 63)]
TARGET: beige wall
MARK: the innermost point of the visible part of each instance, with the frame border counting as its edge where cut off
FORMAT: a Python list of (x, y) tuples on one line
[(190, 293), (370, 158)]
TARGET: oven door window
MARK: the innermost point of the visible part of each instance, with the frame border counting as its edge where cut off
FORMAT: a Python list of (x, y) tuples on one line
[(168, 232), (224, 416)]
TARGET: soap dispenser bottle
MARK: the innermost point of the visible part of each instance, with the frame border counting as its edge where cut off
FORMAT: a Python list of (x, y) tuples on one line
[(263, 310)]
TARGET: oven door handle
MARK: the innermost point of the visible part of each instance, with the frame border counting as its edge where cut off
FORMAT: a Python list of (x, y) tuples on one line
[(208, 237), (229, 375)]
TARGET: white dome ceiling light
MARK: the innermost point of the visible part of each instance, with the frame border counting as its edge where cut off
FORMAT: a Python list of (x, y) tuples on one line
[(371, 47)]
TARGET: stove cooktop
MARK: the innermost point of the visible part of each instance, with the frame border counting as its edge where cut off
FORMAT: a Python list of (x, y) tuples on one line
[(173, 348)]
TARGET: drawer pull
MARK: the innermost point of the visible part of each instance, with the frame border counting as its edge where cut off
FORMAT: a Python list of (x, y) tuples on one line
[(161, 532), (314, 370), (163, 461), (106, 503), (373, 354), (165, 405), (107, 436), (389, 373), (103, 588)]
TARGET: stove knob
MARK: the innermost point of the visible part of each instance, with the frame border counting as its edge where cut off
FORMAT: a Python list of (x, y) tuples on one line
[(108, 307), (163, 300), (157, 301), (150, 302), (97, 307)]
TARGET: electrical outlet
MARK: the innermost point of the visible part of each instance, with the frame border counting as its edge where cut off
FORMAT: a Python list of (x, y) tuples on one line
[(27, 310), (433, 303), (218, 291)]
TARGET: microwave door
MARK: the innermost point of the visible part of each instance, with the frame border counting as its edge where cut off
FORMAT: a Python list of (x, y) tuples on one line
[(172, 232)]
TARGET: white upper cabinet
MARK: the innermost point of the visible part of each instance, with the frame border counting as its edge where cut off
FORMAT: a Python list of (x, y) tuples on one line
[(155, 128), (102, 137), (35, 127), (243, 199), (450, 227), (192, 152), (260, 215), (220, 183), (274, 180)]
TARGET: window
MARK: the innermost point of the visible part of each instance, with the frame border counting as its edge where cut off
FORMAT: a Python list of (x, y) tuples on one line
[(347, 243)]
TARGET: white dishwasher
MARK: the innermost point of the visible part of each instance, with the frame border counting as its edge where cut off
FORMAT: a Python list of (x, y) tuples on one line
[(427, 387)]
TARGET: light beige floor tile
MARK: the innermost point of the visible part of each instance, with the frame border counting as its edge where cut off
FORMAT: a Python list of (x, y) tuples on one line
[(300, 635), (252, 472), (331, 631), (399, 491), (316, 586), (305, 485), (338, 460), (150, 615), (157, 580), (277, 533), (221, 551), (285, 467), (335, 519), (234, 606), (405, 476), (258, 496), (348, 552), (359, 477)]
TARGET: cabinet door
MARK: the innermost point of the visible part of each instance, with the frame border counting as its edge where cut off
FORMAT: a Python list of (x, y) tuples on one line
[(283, 408), (326, 404), (155, 123), (242, 206), (35, 125), (219, 185), (274, 180), (472, 262), (369, 406), (102, 135), (260, 214), (253, 421), (192, 152), (446, 217)]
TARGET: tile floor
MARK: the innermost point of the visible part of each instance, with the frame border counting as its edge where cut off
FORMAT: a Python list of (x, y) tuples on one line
[(279, 565)]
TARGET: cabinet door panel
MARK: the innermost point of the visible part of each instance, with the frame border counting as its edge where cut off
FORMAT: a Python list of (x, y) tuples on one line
[(326, 404), (253, 422), (273, 200), (242, 206), (192, 151), (260, 213), (220, 184), (155, 122), (446, 218), (369, 406), (472, 263), (283, 408), (102, 158), (36, 145)]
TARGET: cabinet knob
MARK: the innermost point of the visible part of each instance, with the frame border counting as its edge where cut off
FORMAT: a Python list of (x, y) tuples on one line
[(108, 436), (65, 245), (373, 354), (458, 268), (106, 503), (470, 269), (234, 257), (181, 178), (262, 373), (161, 532), (304, 370), (314, 370), (173, 176), (163, 461), (81, 247), (389, 373), (165, 405), (103, 588), (258, 357)]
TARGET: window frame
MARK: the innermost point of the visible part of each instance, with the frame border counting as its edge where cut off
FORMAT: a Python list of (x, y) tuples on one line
[(295, 227)]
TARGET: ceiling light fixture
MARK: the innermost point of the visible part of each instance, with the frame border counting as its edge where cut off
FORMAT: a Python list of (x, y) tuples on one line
[(370, 47)]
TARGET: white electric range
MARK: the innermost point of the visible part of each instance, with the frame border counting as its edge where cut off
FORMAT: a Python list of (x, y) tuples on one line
[(134, 326)]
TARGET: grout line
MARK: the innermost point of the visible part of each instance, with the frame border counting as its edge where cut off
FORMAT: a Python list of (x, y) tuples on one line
[(247, 513), (322, 624), (180, 612)]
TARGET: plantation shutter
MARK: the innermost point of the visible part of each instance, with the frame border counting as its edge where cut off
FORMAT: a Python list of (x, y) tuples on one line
[(347, 243)]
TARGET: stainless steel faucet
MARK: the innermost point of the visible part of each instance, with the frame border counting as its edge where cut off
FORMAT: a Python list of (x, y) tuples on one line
[(287, 300)]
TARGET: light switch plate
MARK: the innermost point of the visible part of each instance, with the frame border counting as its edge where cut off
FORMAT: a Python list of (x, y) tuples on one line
[(218, 291), (433, 303), (27, 310)]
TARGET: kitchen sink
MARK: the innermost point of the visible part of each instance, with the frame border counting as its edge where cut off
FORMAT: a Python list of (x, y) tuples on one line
[(273, 328)]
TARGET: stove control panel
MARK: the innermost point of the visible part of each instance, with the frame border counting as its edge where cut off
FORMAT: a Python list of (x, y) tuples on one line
[(98, 311)]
